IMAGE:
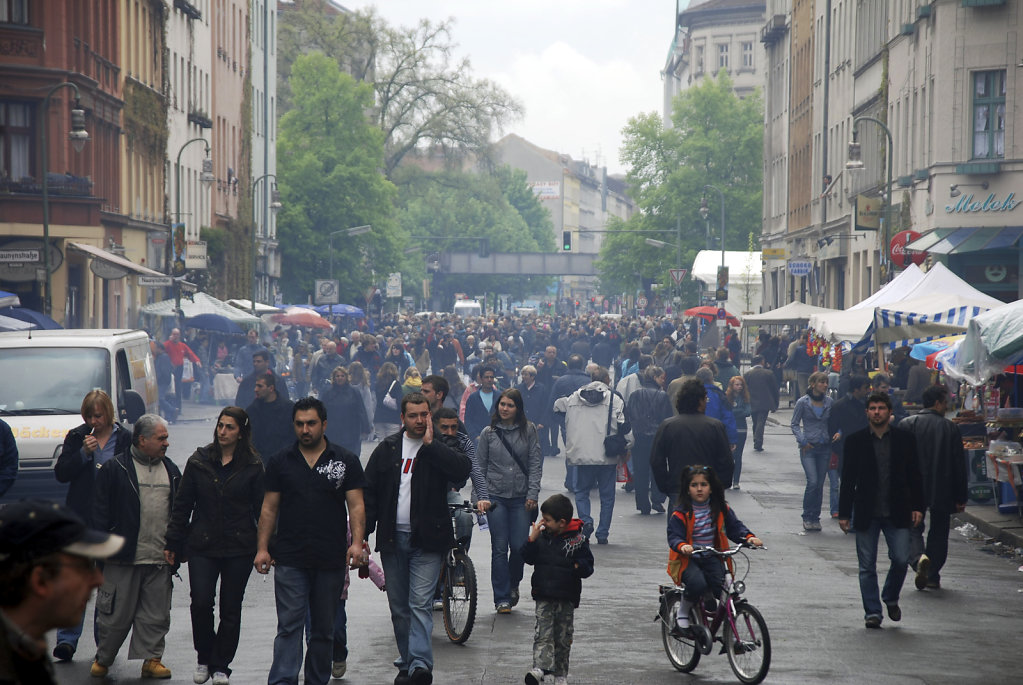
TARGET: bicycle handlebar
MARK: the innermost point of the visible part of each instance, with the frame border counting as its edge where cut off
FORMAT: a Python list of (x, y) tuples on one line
[(468, 507), (729, 552)]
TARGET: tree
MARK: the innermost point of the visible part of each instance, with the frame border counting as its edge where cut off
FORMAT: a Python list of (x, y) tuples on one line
[(716, 139), (329, 160), (424, 96)]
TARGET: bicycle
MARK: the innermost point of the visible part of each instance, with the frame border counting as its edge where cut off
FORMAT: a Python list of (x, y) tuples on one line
[(458, 576), (744, 636)]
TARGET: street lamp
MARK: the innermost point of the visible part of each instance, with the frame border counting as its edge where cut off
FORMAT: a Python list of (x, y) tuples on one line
[(206, 178), (855, 163), (79, 137), (275, 205), (350, 232), (705, 212)]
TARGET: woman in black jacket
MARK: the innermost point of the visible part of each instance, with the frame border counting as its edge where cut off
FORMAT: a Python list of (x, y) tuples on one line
[(86, 448), (346, 414), (213, 528)]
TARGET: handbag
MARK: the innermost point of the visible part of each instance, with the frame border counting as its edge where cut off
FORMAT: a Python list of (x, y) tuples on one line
[(389, 400), (615, 445)]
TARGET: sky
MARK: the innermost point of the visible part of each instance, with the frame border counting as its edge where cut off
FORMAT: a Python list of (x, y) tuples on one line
[(580, 68)]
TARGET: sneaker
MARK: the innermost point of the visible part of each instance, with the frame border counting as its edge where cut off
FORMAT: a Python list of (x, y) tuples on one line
[(807, 525), (816, 525), (63, 652), (514, 596), (503, 608), (933, 584), (561, 680), (421, 676), (201, 675), (97, 670), (601, 541), (872, 622), (922, 567), (402, 678), (587, 529), (338, 668), (152, 668), (659, 508), (894, 612), (221, 678), (535, 676), (438, 605)]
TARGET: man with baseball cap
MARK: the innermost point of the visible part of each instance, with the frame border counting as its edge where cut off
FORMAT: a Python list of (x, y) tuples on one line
[(48, 571)]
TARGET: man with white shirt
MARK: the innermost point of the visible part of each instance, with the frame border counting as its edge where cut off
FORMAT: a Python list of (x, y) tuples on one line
[(406, 504)]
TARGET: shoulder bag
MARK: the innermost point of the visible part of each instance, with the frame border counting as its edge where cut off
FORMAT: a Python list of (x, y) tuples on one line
[(615, 445), (507, 446), (389, 400)]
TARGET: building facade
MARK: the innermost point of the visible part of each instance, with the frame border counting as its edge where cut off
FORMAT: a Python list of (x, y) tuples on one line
[(927, 90)]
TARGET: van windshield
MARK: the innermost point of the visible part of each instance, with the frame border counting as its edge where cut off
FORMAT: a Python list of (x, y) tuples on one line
[(51, 380)]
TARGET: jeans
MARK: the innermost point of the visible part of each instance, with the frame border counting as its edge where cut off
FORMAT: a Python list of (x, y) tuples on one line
[(647, 493), (216, 649), (834, 486), (300, 591), (340, 650), (759, 421), (936, 548), (897, 540), (411, 577), (740, 444), (71, 636), (602, 477), (509, 529), (815, 466), (703, 573)]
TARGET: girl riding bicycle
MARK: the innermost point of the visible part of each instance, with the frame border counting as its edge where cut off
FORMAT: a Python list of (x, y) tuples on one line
[(702, 518)]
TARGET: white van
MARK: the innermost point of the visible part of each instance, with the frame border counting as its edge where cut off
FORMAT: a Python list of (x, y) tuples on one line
[(468, 308), (46, 375)]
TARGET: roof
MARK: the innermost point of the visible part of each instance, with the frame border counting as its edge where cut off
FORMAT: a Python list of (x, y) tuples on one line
[(744, 267)]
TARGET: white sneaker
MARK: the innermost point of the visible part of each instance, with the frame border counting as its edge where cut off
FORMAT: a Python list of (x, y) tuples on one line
[(221, 678), (201, 675), (438, 605)]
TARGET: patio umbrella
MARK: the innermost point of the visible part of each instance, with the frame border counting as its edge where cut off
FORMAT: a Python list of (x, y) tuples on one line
[(298, 316), (9, 299), (9, 324), (341, 310), (924, 350), (31, 316), (215, 323), (709, 313)]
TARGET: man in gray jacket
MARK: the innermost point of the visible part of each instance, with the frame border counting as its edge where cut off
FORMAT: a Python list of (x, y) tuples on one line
[(942, 463), (586, 425)]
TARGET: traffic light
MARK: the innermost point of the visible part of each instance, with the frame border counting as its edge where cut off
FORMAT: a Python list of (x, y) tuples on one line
[(566, 240)]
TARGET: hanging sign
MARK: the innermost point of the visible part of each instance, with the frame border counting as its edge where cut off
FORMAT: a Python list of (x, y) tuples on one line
[(799, 268), (900, 257)]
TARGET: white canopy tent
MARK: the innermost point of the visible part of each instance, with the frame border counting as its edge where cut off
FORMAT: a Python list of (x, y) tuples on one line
[(793, 312), (745, 280), (201, 303), (894, 291)]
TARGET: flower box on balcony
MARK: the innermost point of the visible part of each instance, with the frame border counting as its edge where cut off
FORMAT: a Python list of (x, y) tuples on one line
[(200, 119)]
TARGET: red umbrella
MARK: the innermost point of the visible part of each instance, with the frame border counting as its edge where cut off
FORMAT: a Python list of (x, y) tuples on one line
[(297, 316), (711, 314)]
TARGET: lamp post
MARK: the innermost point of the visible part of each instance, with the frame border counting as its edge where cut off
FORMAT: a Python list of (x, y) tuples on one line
[(705, 212), (354, 231), (206, 178), (275, 204), (855, 163), (79, 137)]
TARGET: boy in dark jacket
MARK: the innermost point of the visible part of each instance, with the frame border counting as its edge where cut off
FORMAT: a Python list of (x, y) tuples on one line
[(560, 553)]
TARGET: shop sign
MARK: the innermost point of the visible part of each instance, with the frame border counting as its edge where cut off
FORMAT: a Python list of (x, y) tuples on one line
[(900, 257), (799, 268), (966, 205), (17, 271)]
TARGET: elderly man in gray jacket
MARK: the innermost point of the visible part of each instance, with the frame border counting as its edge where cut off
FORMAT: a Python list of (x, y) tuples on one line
[(586, 425)]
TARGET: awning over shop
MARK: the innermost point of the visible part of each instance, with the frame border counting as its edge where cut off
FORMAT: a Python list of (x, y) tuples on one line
[(972, 239), (113, 259), (201, 303)]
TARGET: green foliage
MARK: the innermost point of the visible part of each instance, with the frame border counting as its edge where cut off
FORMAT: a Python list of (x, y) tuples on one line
[(145, 119), (329, 161), (716, 139)]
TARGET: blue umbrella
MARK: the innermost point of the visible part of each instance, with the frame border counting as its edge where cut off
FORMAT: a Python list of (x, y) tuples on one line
[(215, 323), (341, 310), (9, 299), (32, 316)]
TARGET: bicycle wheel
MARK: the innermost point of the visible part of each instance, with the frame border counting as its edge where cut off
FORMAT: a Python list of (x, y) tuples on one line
[(682, 652), (459, 597), (749, 645)]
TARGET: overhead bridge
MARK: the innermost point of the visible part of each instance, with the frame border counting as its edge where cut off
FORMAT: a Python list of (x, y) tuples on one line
[(519, 263)]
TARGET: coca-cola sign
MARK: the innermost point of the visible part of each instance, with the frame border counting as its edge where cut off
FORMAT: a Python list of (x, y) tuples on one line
[(900, 257)]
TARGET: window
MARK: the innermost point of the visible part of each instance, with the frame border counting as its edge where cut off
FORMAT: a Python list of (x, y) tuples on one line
[(15, 140), (747, 55), (699, 59), (989, 114), (722, 55), (13, 11)]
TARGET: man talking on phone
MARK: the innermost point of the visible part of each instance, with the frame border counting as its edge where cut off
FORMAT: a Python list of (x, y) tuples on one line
[(406, 504)]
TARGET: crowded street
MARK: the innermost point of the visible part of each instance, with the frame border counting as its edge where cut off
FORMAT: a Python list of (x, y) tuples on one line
[(804, 584)]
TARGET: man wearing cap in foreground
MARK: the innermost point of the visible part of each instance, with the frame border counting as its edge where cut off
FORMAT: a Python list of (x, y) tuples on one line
[(47, 573)]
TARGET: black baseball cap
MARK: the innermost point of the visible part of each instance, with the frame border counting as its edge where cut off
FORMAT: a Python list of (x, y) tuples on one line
[(35, 528)]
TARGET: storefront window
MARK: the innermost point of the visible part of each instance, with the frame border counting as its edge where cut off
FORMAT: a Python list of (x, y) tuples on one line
[(989, 114)]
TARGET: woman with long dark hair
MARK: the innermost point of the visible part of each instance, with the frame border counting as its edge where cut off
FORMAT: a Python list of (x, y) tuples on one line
[(737, 395), (213, 528), (387, 416), (509, 457)]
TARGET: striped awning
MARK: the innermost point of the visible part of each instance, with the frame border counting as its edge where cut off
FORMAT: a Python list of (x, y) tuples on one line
[(970, 239), (893, 329)]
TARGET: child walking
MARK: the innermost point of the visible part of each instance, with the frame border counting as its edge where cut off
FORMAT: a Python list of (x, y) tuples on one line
[(702, 518), (560, 554)]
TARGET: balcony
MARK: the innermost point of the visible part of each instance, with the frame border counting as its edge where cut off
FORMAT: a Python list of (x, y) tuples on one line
[(188, 9), (774, 30), (59, 184), (200, 118)]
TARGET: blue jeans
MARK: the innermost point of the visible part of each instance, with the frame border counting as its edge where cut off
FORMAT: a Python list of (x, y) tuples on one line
[(509, 529), (602, 477), (411, 577), (815, 466), (340, 650), (71, 636), (300, 591), (897, 540), (834, 485)]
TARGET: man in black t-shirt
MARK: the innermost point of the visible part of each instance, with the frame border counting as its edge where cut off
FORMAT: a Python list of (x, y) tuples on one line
[(311, 489)]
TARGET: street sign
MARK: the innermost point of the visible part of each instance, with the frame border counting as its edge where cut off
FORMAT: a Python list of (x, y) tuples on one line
[(641, 303), (677, 275), (154, 281), (326, 290), (722, 313), (773, 253), (799, 268), (19, 256), (394, 285)]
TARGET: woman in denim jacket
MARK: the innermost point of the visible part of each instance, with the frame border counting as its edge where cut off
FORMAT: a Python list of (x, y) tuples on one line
[(810, 426)]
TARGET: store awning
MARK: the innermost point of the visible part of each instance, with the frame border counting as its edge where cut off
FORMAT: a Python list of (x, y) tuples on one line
[(113, 259), (971, 239)]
